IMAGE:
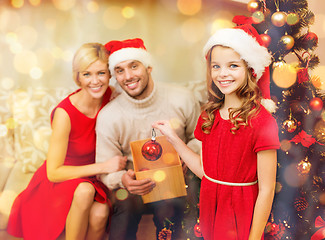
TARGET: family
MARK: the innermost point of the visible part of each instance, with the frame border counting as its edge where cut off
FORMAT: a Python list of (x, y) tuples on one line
[(229, 143)]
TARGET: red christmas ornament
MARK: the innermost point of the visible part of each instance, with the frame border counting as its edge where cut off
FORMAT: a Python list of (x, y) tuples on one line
[(316, 104), (151, 150), (266, 40), (310, 36), (197, 230)]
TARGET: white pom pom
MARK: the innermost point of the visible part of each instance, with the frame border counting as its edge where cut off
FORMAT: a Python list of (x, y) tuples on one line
[(269, 105)]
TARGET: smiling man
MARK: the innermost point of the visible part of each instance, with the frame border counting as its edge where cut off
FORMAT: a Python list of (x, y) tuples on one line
[(129, 118)]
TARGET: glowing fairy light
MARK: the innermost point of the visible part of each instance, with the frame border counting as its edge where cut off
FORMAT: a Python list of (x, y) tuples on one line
[(36, 73), (128, 12), (121, 194), (159, 176), (189, 7)]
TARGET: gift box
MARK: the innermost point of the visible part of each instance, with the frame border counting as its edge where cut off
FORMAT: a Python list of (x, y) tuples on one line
[(161, 164)]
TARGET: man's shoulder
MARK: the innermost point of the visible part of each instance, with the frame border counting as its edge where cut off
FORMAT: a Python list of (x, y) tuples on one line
[(110, 111)]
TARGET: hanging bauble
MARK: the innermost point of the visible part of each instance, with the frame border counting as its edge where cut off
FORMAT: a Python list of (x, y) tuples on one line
[(300, 204), (292, 19), (197, 229), (310, 36), (316, 104), (278, 19), (266, 40), (284, 75), (152, 150), (290, 125), (258, 17), (302, 75), (254, 5), (319, 131), (304, 166), (287, 41)]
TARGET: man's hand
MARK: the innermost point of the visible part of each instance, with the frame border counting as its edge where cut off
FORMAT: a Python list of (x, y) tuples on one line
[(139, 187)]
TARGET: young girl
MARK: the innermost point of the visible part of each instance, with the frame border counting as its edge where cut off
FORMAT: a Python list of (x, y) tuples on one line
[(64, 191), (239, 139)]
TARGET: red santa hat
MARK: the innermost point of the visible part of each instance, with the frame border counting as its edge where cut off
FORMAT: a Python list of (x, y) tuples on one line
[(129, 49), (246, 41)]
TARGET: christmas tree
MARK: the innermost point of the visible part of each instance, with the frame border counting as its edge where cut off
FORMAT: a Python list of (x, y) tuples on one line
[(299, 206)]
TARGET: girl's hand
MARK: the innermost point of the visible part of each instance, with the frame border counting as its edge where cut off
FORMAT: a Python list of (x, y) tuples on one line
[(115, 164), (165, 128)]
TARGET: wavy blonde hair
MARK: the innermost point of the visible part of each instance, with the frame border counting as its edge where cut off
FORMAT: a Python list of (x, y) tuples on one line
[(248, 91), (87, 54)]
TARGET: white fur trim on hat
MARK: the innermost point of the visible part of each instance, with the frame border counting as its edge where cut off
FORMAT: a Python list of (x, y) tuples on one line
[(256, 56), (124, 54)]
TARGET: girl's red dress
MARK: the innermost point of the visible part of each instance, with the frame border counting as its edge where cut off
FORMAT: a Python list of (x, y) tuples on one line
[(226, 211), (40, 211)]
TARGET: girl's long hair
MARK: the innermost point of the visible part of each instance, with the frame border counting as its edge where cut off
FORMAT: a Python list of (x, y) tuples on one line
[(249, 92)]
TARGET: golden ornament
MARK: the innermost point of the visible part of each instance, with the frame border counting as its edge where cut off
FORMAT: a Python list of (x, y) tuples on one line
[(258, 17), (290, 125), (253, 5), (319, 131), (284, 75), (292, 19), (287, 41), (278, 19), (304, 166)]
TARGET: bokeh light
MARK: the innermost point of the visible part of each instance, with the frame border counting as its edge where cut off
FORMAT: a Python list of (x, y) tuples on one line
[(17, 3), (3, 130), (189, 7), (292, 176), (193, 30), (113, 18), (121, 194), (220, 23), (169, 158), (35, 2), (175, 123), (159, 176), (284, 75), (25, 61), (41, 138), (278, 187), (64, 5), (7, 83), (36, 73), (92, 6), (285, 145), (128, 12), (11, 123)]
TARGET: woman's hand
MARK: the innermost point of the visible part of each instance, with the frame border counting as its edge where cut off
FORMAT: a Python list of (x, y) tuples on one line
[(115, 164)]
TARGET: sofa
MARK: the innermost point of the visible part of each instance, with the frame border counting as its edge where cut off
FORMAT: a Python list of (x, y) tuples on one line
[(24, 137)]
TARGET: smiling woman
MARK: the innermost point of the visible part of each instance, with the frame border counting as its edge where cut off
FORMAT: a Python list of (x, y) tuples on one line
[(64, 193)]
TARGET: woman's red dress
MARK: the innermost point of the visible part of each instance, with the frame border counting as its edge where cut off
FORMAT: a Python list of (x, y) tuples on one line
[(40, 211), (226, 211)]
